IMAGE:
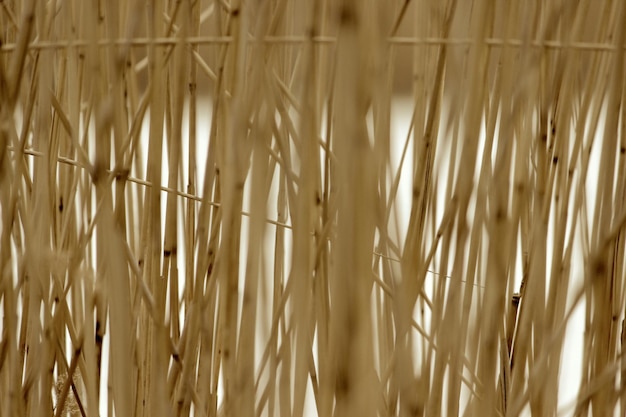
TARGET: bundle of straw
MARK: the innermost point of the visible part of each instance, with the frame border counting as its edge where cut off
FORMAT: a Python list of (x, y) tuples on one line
[(216, 208)]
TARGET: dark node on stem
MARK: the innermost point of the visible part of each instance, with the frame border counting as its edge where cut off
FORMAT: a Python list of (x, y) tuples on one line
[(416, 409), (81, 55), (416, 193), (98, 333), (56, 299), (226, 353), (555, 160), (99, 172), (515, 300), (122, 175), (599, 267), (167, 253), (342, 384), (176, 357), (347, 16), (622, 150), (235, 12), (500, 214), (192, 88), (544, 137), (61, 204), (614, 317), (318, 200)]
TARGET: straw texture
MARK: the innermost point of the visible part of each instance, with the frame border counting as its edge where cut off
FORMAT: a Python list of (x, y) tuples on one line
[(312, 208)]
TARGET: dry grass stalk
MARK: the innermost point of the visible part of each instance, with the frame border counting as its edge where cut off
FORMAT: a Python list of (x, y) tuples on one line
[(284, 259)]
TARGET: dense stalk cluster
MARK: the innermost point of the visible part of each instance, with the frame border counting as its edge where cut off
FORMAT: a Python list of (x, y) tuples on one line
[(312, 208)]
